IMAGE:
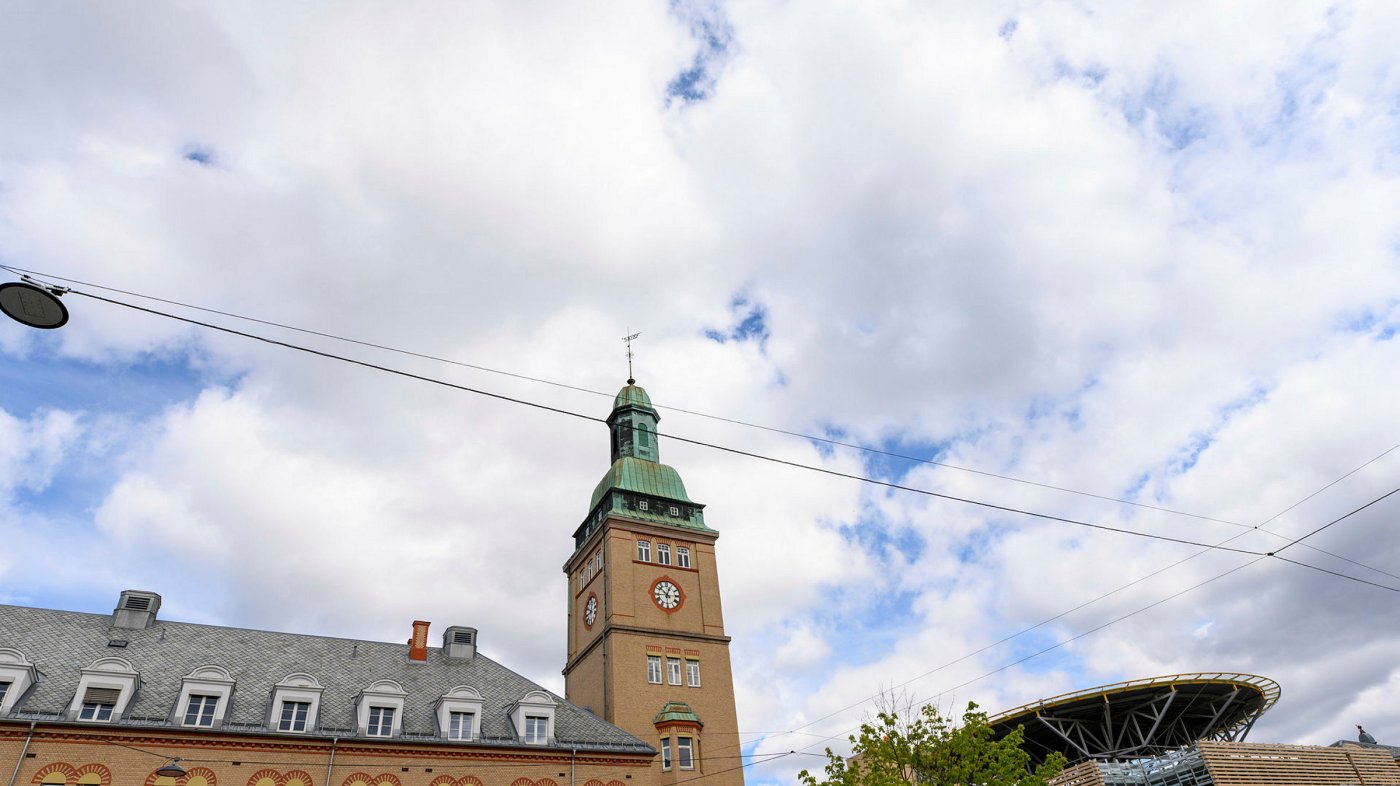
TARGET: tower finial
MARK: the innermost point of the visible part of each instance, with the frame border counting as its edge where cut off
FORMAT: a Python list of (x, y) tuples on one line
[(631, 380)]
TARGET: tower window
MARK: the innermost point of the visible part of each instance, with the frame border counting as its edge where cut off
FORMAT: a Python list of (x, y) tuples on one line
[(673, 670), (684, 759), (675, 511), (644, 550), (654, 669), (665, 753), (682, 557), (641, 504), (663, 553), (642, 435), (692, 672)]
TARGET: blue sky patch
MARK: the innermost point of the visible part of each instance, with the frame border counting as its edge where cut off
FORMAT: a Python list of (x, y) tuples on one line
[(714, 37), (199, 155), (750, 324)]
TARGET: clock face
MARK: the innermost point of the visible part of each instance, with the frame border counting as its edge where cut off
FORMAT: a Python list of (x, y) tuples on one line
[(590, 610), (666, 595)]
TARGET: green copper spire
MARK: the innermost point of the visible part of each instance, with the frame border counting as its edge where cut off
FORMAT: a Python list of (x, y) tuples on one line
[(638, 485)]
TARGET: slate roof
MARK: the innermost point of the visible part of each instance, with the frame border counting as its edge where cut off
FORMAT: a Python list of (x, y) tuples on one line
[(61, 643)]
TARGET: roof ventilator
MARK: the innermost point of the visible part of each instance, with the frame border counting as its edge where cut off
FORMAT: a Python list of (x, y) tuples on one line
[(136, 609), (459, 642)]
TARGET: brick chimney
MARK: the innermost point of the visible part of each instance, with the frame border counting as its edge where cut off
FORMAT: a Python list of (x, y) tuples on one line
[(418, 645)]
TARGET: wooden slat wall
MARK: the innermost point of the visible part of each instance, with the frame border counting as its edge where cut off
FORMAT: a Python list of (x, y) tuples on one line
[(1255, 764), (1085, 773)]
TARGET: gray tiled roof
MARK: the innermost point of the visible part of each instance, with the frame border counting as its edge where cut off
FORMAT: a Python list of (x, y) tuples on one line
[(61, 643)]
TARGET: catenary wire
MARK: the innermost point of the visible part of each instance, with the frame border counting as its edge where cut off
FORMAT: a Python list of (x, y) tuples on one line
[(687, 440), (580, 389), (825, 440), (1116, 620)]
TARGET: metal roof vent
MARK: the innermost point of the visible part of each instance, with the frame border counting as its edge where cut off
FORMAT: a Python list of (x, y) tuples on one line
[(136, 609), (459, 642)]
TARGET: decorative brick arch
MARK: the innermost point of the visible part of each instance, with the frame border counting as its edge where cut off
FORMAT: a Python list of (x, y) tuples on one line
[(522, 782), (546, 782), (593, 782), (448, 780), (616, 783), (265, 777), (293, 777), (69, 772), (197, 776), (382, 779)]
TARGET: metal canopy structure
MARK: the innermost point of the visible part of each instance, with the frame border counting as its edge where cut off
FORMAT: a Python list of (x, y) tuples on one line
[(1141, 718)]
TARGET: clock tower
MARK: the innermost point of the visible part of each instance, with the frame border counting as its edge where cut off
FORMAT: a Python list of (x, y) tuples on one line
[(647, 650)]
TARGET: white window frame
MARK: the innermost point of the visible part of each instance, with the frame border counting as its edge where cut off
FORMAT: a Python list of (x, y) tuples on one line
[(114, 673), (460, 724), (378, 725), (673, 670), (654, 671), (16, 670), (462, 698), (689, 748), (382, 695), (682, 557), (535, 704), (665, 754), (643, 505), (203, 713), (294, 724), (663, 554), (644, 550), (692, 672), (536, 729), (675, 511), (207, 680), (298, 687)]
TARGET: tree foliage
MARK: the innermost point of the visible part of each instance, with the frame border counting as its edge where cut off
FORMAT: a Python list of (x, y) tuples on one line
[(930, 750)]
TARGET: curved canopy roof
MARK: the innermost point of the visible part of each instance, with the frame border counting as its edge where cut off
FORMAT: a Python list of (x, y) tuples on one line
[(1142, 717)]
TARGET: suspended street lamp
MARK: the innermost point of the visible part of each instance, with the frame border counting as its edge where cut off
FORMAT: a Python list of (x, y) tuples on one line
[(33, 306)]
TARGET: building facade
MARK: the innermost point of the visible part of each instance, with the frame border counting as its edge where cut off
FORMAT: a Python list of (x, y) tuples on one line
[(102, 699), (646, 644)]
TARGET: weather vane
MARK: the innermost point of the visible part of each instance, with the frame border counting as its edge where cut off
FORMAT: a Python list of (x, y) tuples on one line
[(630, 379)]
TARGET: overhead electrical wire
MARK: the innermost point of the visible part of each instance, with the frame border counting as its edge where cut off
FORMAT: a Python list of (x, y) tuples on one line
[(825, 440), (1087, 603)]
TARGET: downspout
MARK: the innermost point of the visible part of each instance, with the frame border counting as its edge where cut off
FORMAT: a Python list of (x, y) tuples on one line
[(329, 764), (573, 755), (25, 750)]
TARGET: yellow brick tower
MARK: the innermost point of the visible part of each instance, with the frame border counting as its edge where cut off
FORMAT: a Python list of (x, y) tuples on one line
[(647, 649)]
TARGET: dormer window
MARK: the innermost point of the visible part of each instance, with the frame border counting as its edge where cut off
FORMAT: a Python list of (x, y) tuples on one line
[(296, 702), (379, 712), (204, 697), (16, 675), (459, 713), (104, 690), (533, 717)]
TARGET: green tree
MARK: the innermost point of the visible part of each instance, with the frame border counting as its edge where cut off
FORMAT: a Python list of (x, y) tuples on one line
[(930, 750)]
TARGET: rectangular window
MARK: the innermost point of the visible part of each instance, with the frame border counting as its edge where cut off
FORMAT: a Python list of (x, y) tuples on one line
[(294, 716), (381, 721), (684, 760), (95, 711), (644, 551), (673, 670), (459, 725), (692, 673), (654, 669), (4, 688), (682, 557), (675, 511), (580, 581), (536, 729), (663, 553), (200, 710), (641, 504), (665, 753)]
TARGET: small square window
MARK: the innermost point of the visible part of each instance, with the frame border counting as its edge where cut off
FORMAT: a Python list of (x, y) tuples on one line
[(294, 716), (663, 553), (200, 710), (675, 511), (381, 722), (682, 557), (460, 725), (673, 670), (641, 504), (644, 550), (654, 669)]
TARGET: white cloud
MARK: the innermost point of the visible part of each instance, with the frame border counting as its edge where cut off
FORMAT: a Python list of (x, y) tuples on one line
[(1124, 249)]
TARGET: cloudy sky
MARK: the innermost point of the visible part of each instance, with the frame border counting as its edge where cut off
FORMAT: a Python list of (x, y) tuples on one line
[(1143, 253)]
